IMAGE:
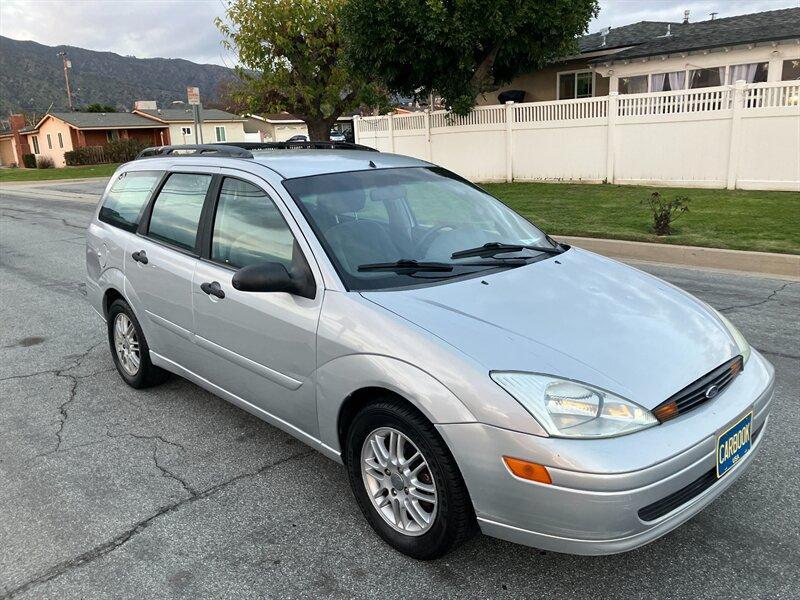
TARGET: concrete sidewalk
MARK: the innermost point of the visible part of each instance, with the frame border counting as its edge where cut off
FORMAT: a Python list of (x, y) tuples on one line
[(786, 266)]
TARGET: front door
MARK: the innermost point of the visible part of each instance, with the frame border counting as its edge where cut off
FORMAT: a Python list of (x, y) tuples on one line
[(261, 346), (160, 264)]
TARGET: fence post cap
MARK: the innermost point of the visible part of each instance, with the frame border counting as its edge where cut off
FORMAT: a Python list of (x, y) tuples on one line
[(509, 102), (613, 93)]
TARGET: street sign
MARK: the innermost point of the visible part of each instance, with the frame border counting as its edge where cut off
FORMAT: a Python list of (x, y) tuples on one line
[(193, 95)]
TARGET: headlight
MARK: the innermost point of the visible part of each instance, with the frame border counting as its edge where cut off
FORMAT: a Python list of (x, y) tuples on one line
[(574, 410), (744, 347)]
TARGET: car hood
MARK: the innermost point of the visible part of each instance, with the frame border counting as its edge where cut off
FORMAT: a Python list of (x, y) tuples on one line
[(576, 315)]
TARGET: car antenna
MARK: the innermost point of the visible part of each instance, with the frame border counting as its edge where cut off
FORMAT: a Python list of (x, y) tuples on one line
[(372, 164)]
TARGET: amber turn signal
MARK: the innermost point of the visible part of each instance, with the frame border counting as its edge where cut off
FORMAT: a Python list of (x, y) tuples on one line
[(665, 412), (527, 470)]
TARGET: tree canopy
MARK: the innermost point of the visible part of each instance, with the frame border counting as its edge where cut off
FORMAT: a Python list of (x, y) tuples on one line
[(458, 48), (291, 58), (100, 108)]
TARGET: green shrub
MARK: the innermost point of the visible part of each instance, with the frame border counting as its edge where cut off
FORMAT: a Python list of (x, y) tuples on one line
[(113, 152), (29, 161), (44, 162)]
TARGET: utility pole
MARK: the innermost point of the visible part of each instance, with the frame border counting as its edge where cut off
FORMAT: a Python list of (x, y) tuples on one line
[(67, 66)]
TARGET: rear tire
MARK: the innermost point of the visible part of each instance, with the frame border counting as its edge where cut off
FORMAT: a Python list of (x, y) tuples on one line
[(436, 492), (129, 348)]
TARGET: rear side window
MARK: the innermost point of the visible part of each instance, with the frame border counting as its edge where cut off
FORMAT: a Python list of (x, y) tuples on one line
[(177, 208), (127, 196), (248, 228)]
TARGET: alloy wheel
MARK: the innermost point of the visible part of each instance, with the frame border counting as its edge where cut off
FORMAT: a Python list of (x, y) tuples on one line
[(126, 344), (398, 481)]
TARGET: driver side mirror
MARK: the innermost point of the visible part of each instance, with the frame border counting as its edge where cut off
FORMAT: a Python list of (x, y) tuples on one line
[(273, 277)]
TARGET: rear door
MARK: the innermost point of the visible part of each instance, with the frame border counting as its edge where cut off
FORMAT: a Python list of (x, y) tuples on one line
[(261, 346), (160, 262)]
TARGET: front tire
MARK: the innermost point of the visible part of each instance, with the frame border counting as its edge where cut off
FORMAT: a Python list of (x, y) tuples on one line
[(406, 482), (129, 348)]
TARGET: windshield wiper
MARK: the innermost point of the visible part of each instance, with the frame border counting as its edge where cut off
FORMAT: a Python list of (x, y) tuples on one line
[(492, 248), (407, 266)]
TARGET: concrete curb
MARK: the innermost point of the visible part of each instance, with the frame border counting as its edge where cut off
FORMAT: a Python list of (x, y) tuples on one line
[(51, 182), (762, 263)]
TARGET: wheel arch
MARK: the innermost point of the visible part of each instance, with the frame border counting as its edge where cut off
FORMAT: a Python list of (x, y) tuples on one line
[(347, 384)]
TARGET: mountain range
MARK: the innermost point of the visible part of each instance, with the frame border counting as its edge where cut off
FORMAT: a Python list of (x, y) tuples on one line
[(32, 78)]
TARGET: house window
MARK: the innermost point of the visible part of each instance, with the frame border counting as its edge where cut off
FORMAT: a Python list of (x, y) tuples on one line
[(60, 140), (751, 73), (701, 78), (112, 134), (219, 130), (633, 85), (49, 142), (186, 131), (668, 82), (791, 70), (35, 140), (575, 84)]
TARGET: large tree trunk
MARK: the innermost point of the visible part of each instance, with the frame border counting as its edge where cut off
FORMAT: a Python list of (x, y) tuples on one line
[(319, 130)]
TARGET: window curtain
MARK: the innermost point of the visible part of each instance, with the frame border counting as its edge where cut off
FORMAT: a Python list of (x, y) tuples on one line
[(746, 72), (677, 79), (721, 75), (657, 82)]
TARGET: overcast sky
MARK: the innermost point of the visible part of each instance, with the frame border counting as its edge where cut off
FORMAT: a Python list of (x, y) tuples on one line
[(185, 28)]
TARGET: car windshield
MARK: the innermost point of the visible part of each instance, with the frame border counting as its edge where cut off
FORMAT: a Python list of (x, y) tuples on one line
[(422, 214)]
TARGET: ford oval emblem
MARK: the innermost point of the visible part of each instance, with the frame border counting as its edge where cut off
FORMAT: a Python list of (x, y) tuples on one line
[(712, 391)]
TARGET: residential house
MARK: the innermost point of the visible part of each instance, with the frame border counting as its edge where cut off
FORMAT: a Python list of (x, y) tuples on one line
[(279, 127), (13, 143), (217, 125), (60, 132), (275, 127), (654, 56)]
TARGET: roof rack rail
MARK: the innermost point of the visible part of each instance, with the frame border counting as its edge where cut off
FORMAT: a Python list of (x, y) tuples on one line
[(196, 150), (310, 145)]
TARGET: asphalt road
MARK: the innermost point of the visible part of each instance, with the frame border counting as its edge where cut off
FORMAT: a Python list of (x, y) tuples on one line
[(171, 492)]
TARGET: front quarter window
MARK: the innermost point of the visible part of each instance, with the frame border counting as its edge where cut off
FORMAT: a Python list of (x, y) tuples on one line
[(414, 216)]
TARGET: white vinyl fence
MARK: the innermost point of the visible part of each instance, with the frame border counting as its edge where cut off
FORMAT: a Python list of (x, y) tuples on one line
[(741, 136)]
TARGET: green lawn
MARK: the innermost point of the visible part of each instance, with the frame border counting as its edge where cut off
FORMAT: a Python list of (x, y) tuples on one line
[(735, 219), (65, 173)]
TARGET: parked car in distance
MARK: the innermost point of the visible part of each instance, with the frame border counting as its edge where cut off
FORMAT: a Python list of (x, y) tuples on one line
[(298, 138), (470, 372), (337, 136)]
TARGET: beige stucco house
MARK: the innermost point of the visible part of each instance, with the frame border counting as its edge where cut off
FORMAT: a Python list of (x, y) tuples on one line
[(217, 125), (654, 56)]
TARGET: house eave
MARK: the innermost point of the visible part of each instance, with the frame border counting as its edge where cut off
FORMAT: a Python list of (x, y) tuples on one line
[(695, 50)]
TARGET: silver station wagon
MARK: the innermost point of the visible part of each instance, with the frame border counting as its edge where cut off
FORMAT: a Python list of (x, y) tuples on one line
[(470, 372)]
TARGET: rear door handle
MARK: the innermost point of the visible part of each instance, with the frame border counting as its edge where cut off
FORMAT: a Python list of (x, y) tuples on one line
[(213, 289), (140, 257)]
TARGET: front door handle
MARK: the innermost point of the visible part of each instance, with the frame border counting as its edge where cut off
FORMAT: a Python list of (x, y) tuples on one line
[(213, 289), (140, 257)]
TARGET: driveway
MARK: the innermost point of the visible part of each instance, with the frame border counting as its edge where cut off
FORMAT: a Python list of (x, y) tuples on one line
[(172, 492)]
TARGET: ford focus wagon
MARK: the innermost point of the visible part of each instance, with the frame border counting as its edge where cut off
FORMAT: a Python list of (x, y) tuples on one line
[(470, 372)]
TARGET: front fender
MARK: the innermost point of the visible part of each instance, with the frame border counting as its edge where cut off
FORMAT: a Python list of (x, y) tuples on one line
[(340, 378)]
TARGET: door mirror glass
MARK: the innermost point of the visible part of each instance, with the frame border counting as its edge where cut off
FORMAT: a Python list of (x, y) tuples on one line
[(273, 277)]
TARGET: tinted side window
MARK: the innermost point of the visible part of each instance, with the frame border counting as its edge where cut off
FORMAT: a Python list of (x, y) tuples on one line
[(248, 228), (127, 196), (176, 211)]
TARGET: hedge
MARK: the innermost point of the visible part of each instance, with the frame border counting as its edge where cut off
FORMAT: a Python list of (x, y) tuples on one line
[(114, 152), (29, 161)]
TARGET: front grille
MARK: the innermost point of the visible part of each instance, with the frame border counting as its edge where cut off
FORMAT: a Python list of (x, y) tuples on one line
[(659, 508), (709, 386)]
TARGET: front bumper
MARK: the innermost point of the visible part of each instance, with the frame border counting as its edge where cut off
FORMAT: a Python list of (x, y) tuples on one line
[(599, 486)]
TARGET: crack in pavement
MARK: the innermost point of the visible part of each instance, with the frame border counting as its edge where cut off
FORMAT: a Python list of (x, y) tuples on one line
[(63, 407), (123, 538), (771, 296), (165, 472)]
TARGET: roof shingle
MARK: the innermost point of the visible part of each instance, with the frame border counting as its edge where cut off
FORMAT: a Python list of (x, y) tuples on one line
[(744, 29), (183, 115)]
